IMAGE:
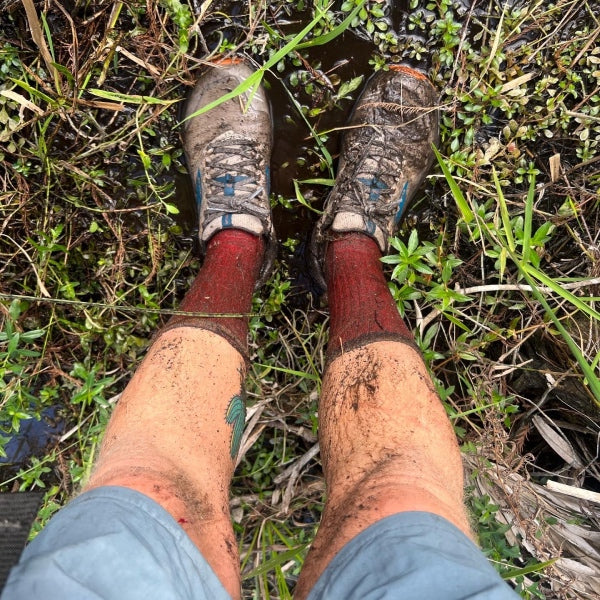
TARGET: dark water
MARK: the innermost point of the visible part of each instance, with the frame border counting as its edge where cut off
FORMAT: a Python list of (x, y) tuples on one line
[(294, 155), (34, 438)]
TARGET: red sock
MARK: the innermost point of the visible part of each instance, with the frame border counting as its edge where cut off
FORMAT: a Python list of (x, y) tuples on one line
[(360, 304), (225, 285)]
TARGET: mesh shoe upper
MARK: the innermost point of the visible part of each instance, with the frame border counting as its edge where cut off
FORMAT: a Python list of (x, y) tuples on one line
[(386, 154), (228, 150)]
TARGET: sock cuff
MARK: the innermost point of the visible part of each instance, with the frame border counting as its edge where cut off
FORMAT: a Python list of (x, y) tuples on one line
[(335, 351), (209, 325)]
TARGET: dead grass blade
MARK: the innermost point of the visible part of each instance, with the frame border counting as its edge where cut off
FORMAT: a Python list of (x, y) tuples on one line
[(547, 523), (40, 42)]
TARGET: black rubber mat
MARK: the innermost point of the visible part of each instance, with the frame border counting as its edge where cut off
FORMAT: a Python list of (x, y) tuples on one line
[(17, 513)]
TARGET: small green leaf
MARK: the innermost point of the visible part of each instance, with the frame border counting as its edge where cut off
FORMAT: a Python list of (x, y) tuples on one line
[(302, 200), (506, 224), (33, 334), (349, 86), (413, 241), (463, 205), (528, 219), (145, 159), (64, 71), (536, 568), (318, 181)]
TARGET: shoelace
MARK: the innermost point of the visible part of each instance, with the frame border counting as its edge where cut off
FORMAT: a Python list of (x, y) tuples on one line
[(239, 193), (373, 200)]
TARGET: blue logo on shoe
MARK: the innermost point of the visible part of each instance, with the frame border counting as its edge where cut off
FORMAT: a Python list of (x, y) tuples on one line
[(375, 185), (226, 221), (229, 182), (268, 179), (198, 189), (401, 203)]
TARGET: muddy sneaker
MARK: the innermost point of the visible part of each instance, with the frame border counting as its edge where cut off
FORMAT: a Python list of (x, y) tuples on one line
[(228, 150), (386, 154)]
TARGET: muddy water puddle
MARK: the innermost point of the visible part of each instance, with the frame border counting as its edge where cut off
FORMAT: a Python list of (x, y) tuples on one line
[(35, 438)]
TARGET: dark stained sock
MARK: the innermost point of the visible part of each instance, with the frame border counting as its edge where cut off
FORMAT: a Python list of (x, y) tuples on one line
[(361, 306), (225, 285)]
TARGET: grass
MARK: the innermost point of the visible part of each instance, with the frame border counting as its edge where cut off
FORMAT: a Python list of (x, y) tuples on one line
[(495, 268)]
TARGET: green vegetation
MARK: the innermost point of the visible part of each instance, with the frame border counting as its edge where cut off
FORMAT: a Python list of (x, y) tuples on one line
[(495, 268)]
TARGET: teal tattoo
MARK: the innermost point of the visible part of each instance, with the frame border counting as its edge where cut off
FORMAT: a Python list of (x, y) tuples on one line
[(236, 416)]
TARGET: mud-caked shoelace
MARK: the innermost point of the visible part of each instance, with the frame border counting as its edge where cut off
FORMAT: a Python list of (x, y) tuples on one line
[(232, 178)]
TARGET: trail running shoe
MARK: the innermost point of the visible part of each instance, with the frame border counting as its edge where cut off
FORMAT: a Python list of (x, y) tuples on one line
[(228, 150), (386, 154)]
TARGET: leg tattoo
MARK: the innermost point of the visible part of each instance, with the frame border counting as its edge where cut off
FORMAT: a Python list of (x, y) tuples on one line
[(236, 417)]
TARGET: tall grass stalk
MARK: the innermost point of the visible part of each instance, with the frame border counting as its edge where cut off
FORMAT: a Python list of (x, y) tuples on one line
[(505, 237)]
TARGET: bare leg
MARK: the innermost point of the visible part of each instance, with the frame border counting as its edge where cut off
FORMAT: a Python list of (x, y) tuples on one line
[(386, 446), (169, 440), (175, 432), (386, 443)]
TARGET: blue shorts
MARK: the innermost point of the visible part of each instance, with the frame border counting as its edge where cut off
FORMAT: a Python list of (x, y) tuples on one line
[(113, 542)]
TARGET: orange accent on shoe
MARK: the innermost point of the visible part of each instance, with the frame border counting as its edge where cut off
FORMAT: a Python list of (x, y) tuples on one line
[(409, 71), (228, 61)]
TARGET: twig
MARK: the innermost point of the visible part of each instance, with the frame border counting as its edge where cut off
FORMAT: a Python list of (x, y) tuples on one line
[(293, 472), (297, 465), (463, 37), (40, 42), (506, 287), (40, 283), (516, 287), (138, 61), (252, 432), (77, 427), (575, 492), (126, 309), (584, 50)]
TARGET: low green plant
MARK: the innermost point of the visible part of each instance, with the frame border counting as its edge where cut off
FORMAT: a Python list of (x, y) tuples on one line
[(504, 556), (423, 272), (506, 248), (18, 351)]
